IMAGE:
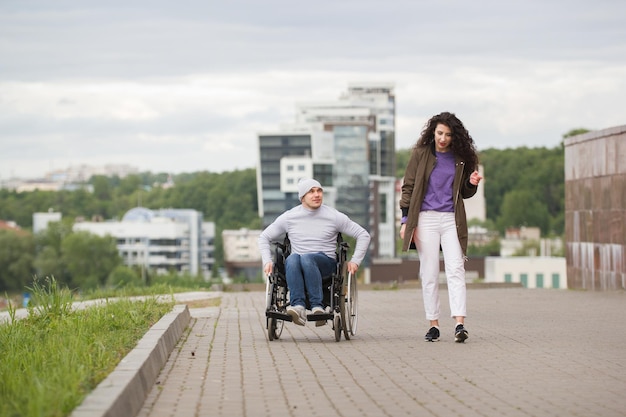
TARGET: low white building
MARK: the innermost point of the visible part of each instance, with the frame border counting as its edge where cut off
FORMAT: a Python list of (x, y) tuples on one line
[(241, 245), (41, 220), (241, 253), (161, 240), (530, 271)]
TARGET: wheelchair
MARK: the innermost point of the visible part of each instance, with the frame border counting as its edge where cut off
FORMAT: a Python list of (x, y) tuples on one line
[(339, 294)]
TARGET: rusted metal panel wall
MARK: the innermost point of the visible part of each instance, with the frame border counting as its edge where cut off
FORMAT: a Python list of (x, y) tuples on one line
[(595, 209)]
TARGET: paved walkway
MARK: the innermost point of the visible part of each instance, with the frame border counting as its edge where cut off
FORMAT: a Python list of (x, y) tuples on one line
[(530, 353)]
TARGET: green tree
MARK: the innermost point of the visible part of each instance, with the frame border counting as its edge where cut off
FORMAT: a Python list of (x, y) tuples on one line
[(9, 205), (574, 132), (522, 208), (20, 207), (48, 259), (48, 263), (16, 260), (402, 160), (122, 276), (103, 195), (129, 185), (538, 172), (89, 258), (102, 189)]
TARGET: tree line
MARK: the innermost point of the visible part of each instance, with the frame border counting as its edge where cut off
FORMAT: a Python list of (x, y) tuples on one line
[(523, 187), (82, 260)]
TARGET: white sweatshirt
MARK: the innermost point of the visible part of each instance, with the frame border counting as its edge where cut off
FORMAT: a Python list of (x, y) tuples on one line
[(313, 231)]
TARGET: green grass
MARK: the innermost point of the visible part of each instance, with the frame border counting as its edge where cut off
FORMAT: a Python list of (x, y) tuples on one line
[(131, 291), (53, 358)]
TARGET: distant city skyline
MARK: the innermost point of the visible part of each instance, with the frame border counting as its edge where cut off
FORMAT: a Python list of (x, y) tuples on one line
[(82, 172), (175, 88)]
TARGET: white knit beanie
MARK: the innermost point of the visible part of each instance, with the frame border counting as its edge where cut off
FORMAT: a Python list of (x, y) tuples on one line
[(305, 185)]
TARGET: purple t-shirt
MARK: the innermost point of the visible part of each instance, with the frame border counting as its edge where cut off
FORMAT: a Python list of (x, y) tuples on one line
[(439, 193)]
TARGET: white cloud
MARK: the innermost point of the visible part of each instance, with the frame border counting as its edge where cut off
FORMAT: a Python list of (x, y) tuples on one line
[(187, 87)]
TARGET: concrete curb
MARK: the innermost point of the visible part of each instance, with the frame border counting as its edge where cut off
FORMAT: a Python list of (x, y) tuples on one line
[(124, 391)]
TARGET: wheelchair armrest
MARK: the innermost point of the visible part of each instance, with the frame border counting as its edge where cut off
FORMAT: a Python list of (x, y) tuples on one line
[(279, 245)]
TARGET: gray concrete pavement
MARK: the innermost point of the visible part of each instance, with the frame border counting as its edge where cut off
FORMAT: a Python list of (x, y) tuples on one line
[(530, 353)]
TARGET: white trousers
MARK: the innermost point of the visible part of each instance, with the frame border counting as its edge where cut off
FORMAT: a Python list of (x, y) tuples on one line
[(435, 229)]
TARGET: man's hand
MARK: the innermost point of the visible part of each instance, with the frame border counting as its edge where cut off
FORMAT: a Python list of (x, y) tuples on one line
[(352, 267), (268, 268)]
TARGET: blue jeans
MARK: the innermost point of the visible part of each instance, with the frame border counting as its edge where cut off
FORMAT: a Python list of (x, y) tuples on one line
[(306, 272)]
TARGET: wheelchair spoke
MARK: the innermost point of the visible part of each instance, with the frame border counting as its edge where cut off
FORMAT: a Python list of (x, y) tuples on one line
[(268, 293), (351, 304), (343, 313)]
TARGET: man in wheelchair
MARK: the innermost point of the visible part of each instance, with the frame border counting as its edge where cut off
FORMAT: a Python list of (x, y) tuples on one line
[(312, 228)]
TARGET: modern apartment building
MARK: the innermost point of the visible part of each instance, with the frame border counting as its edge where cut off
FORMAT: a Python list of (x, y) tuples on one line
[(349, 146), (161, 240), (371, 105)]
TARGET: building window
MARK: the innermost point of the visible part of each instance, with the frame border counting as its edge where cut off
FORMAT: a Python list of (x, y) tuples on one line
[(556, 281), (289, 168), (324, 174), (383, 209), (539, 281), (524, 280), (508, 278)]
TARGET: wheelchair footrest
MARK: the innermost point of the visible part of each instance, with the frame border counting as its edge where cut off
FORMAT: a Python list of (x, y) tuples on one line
[(318, 317), (278, 315)]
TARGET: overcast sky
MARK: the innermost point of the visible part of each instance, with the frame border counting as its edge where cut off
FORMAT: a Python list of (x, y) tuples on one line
[(186, 86)]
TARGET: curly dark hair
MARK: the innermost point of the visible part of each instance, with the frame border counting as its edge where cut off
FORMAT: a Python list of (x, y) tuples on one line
[(462, 143)]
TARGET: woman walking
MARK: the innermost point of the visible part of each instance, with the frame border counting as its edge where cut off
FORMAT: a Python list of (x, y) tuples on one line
[(441, 172)]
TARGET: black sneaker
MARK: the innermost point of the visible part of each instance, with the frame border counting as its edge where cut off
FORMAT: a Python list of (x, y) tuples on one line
[(432, 335), (460, 334)]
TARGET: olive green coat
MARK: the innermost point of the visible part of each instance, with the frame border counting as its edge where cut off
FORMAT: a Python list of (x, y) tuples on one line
[(418, 170)]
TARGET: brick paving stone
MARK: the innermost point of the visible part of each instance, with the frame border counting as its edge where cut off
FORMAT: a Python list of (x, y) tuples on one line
[(530, 353)]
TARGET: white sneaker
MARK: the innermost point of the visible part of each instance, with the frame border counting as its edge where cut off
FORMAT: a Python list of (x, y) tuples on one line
[(317, 310), (298, 314)]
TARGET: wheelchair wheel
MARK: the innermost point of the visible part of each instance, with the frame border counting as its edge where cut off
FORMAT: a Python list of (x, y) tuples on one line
[(276, 301), (343, 314), (269, 289), (351, 305), (274, 328), (338, 327)]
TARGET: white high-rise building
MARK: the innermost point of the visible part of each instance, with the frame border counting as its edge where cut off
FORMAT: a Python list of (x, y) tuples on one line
[(348, 145)]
